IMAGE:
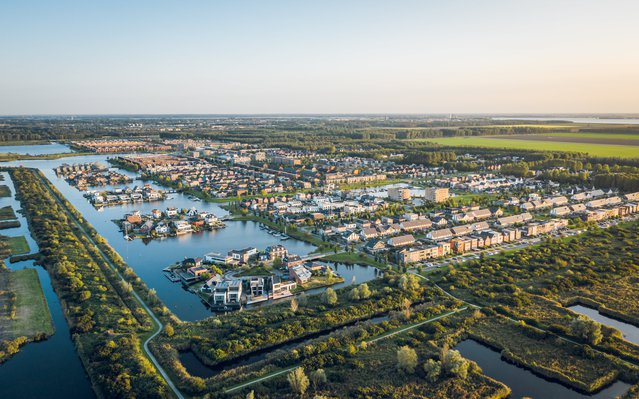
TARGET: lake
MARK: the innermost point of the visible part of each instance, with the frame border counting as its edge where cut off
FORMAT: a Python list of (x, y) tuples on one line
[(36, 149), (630, 332), (612, 121), (523, 382)]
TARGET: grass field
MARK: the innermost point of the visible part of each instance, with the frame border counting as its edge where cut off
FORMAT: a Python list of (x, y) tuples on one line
[(4, 191), (32, 314), (601, 150), (7, 213), (18, 245)]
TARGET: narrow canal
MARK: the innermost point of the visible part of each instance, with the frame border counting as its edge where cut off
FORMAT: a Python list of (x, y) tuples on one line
[(48, 369), (630, 333), (525, 383)]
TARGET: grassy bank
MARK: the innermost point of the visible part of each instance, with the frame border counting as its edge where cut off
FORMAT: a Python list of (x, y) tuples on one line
[(4, 191), (18, 245)]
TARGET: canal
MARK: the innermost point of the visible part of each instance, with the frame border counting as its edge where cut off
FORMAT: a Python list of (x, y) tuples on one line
[(630, 333), (50, 368), (523, 382)]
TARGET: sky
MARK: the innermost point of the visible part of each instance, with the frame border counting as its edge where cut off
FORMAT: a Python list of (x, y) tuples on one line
[(298, 56)]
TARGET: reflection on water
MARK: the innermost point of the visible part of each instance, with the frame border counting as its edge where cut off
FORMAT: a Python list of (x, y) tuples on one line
[(525, 383)]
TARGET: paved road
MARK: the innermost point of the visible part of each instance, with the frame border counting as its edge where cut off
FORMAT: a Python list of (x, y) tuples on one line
[(157, 322)]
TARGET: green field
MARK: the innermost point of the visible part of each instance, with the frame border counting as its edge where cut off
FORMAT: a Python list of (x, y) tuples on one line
[(600, 150), (18, 245), (4, 191), (32, 316)]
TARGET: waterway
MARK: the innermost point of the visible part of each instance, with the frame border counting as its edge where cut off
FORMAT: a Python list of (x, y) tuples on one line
[(48, 369), (630, 333), (149, 258), (523, 382)]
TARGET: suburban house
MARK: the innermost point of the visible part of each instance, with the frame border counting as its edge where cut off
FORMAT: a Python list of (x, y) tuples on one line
[(282, 289), (276, 251), (292, 260), (300, 274), (374, 246), (401, 241), (228, 293), (182, 227), (243, 255)]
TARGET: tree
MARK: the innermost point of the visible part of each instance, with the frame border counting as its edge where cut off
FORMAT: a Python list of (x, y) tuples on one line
[(250, 395), (364, 291), (330, 297), (168, 330), (408, 283), (454, 364), (298, 381), (433, 369), (406, 359), (294, 305), (302, 299), (587, 329), (318, 377), (354, 294)]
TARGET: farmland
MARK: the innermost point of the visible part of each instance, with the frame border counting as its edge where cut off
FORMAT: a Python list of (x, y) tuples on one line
[(595, 144)]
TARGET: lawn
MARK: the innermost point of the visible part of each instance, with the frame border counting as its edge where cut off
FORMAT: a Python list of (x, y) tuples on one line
[(601, 150), (18, 245), (32, 316), (4, 191), (7, 213)]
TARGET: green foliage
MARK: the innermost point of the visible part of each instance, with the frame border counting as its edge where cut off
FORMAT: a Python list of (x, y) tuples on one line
[(433, 369), (330, 297), (586, 329), (406, 359), (298, 381)]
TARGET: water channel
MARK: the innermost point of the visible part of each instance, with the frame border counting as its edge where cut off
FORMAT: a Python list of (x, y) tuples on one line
[(523, 382)]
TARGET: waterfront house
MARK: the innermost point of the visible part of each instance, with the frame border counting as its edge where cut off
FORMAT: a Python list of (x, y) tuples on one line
[(300, 274), (228, 293)]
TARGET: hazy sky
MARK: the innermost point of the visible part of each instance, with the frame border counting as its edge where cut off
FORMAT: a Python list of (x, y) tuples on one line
[(319, 56)]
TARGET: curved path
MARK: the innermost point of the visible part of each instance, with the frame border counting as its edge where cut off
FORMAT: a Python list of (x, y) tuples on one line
[(156, 321)]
